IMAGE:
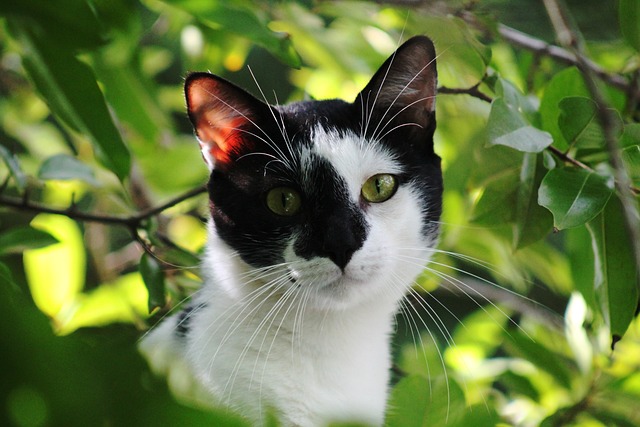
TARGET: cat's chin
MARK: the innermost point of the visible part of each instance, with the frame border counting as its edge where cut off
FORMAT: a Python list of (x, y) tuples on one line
[(341, 290)]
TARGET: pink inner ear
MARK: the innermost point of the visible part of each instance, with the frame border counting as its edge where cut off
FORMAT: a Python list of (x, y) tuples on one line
[(220, 137), (218, 118)]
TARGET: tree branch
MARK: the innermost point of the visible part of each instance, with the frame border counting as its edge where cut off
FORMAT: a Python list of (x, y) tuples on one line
[(472, 91), (525, 41), (130, 221)]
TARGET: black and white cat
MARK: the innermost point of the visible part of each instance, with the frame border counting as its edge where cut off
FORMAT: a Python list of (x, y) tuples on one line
[(323, 214)]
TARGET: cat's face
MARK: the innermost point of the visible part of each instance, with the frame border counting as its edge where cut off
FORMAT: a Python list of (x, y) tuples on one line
[(333, 201)]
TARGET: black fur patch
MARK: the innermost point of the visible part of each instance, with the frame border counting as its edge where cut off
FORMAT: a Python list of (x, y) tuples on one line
[(184, 321)]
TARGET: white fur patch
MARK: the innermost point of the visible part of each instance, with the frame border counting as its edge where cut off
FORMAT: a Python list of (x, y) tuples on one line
[(354, 158)]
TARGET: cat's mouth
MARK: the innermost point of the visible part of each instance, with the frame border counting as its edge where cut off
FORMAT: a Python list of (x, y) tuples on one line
[(328, 277)]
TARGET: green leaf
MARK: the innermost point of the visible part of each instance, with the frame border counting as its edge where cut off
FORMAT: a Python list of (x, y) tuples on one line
[(56, 274), (574, 196), (507, 126), (472, 41), (579, 251), (417, 401), (14, 167), (629, 16), (567, 83), (64, 167), (497, 204), (514, 97), (616, 279), (70, 89), (532, 221), (17, 240), (153, 278), (6, 278), (71, 23), (133, 101), (576, 113), (244, 22), (631, 160), (630, 135)]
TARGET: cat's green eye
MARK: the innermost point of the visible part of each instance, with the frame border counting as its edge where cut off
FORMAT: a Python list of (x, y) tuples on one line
[(284, 201), (379, 188)]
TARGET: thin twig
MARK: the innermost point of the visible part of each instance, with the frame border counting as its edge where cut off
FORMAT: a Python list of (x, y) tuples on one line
[(568, 159), (472, 91), (129, 221)]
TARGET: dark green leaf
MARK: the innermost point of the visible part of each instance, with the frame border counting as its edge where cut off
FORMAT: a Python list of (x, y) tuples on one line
[(65, 167), (519, 384), (71, 23), (574, 196), (18, 240), (567, 83), (6, 278), (532, 221), (629, 15), (616, 278), (71, 91), (507, 126), (497, 204), (153, 278), (576, 113), (14, 167)]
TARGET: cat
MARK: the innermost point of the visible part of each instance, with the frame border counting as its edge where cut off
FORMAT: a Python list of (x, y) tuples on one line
[(323, 213)]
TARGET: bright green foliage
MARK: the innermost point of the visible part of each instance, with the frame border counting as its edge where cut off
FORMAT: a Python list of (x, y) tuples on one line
[(92, 121)]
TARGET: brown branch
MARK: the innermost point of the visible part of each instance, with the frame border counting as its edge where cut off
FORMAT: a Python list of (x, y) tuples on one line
[(132, 221), (472, 91), (562, 55), (568, 159), (525, 41)]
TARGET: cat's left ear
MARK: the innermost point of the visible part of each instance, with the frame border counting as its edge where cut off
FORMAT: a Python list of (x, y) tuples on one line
[(221, 114), (402, 93)]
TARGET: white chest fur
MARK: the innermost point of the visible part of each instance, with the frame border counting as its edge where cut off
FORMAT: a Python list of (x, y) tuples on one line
[(312, 366)]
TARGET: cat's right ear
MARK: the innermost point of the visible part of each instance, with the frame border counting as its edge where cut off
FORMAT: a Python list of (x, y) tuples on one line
[(220, 113), (402, 93)]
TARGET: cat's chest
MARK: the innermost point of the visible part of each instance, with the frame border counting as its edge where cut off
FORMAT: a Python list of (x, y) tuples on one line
[(318, 365)]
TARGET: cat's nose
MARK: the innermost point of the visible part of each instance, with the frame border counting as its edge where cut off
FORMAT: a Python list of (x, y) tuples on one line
[(339, 252), (342, 237)]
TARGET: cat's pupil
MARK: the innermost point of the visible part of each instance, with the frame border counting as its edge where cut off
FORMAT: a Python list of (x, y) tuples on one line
[(283, 201)]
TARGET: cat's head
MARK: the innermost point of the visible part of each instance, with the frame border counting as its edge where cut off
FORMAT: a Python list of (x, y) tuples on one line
[(336, 201)]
